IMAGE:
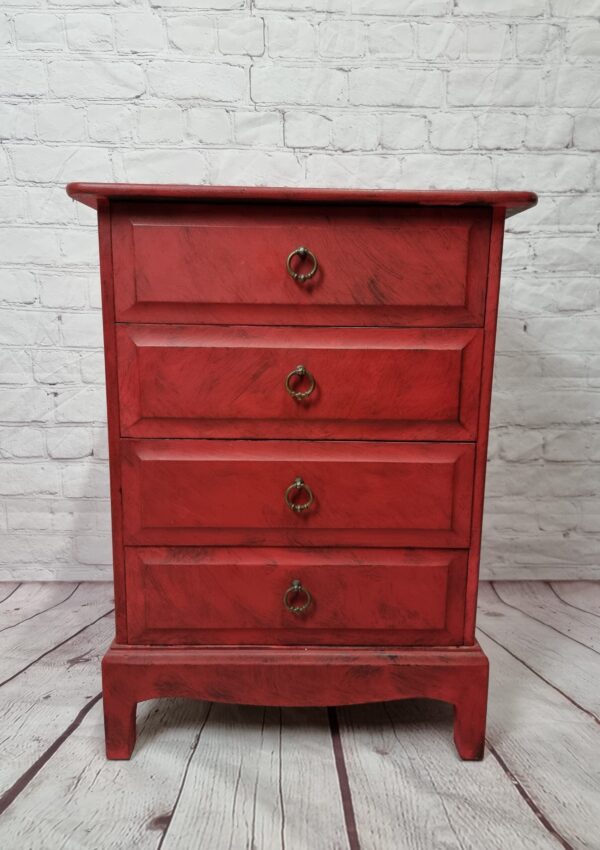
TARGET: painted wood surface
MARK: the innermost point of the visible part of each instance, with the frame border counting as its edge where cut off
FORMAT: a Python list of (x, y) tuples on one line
[(233, 492), (194, 381), (200, 776), (94, 193), (236, 596), (227, 263), (584, 595)]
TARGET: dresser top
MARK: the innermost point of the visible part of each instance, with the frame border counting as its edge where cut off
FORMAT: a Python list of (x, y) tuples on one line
[(93, 193)]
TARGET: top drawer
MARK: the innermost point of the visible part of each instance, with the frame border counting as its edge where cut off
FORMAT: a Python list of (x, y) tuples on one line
[(226, 263)]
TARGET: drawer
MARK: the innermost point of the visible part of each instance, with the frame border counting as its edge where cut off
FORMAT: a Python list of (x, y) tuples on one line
[(226, 264), (236, 596), (192, 381), (234, 492)]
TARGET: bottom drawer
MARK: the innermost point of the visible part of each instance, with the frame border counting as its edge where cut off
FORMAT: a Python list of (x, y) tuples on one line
[(180, 595)]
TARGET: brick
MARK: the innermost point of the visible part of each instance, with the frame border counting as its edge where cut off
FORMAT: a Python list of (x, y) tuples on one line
[(139, 32), (85, 480), (554, 173), (456, 171), (39, 31), (241, 36), (17, 121), (93, 549), (160, 124), (403, 131), (385, 38), (303, 5), (22, 77), (248, 167), (439, 41), (351, 132), (62, 291), (340, 39), (110, 122), (568, 9), (258, 128), (25, 404), (453, 130), (210, 126), (60, 122), (489, 42), (200, 81), (55, 367), (45, 164), (586, 133), (209, 5), (95, 78), (549, 131), (354, 170), (299, 84), (33, 549), (392, 87), (408, 8), (28, 479), (566, 445), (5, 33), (82, 330), (166, 166), (307, 129), (92, 367), (84, 404), (193, 33), (15, 367), (18, 287), (503, 87), (510, 8), (89, 31), (13, 209), (538, 42), (501, 130), (574, 87), (290, 38), (29, 245), (68, 442), (583, 41), (22, 442)]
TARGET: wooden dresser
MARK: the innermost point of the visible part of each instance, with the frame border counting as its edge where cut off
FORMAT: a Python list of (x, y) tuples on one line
[(298, 392)]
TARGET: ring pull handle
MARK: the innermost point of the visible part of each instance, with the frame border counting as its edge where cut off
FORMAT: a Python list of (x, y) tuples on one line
[(302, 253), (293, 591), (301, 372), (298, 507)]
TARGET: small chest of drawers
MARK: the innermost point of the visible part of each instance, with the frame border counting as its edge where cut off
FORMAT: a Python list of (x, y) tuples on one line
[(298, 388)]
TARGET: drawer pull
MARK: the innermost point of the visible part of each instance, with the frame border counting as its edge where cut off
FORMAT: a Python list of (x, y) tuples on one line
[(302, 253), (298, 507), (301, 372), (292, 592)]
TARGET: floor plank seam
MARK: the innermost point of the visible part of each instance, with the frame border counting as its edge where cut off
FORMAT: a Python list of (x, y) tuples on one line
[(184, 777), (57, 646), (343, 781), (38, 613), (539, 675), (542, 622), (8, 595), (11, 794), (570, 604), (542, 818)]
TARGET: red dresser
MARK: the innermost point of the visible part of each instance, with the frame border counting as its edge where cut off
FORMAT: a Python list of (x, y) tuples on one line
[(298, 392)]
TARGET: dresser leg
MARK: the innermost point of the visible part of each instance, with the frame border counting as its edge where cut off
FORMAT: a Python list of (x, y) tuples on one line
[(470, 709), (119, 713)]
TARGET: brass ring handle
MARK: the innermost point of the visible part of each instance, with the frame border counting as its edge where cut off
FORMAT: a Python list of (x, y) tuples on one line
[(298, 507), (301, 372), (301, 252), (295, 588)]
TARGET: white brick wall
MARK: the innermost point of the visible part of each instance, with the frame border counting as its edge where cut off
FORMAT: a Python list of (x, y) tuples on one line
[(383, 93)]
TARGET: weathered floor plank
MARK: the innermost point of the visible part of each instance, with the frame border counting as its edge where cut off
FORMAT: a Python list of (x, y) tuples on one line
[(33, 599), (538, 600), (28, 641), (549, 745), (7, 588), (261, 778), (582, 595), (572, 668), (412, 792)]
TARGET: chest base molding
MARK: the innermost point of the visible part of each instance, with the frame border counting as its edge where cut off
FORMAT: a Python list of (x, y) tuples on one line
[(295, 676)]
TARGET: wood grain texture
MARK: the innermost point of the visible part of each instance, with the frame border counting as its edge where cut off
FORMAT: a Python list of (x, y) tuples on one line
[(226, 264), (232, 492), (307, 676), (194, 381), (582, 595), (30, 600), (235, 596), (92, 193)]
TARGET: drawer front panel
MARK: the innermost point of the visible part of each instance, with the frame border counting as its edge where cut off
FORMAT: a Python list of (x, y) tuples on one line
[(226, 263), (191, 381), (236, 596), (221, 492)]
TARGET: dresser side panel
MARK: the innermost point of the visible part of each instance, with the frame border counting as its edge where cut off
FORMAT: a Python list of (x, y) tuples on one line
[(112, 400), (487, 373)]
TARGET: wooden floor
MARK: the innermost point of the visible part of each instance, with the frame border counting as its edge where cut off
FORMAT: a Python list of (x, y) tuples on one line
[(383, 777)]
